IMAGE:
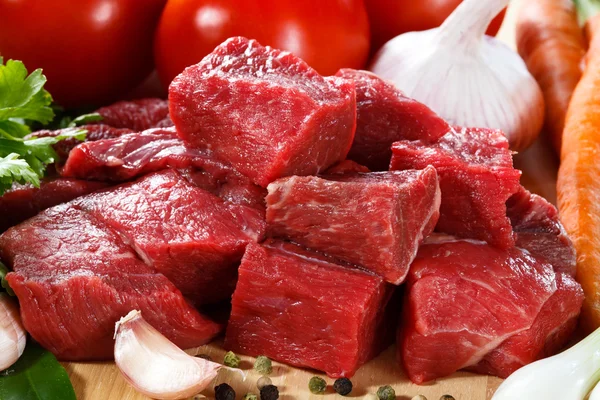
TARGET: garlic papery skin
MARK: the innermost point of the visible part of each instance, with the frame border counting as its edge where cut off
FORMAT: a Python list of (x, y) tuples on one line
[(155, 366), (569, 375), (595, 395), (12, 334), (468, 78)]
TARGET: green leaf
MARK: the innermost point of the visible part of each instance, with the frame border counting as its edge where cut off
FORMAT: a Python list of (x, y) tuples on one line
[(85, 119), (13, 129), (15, 169), (23, 96), (4, 283), (36, 376)]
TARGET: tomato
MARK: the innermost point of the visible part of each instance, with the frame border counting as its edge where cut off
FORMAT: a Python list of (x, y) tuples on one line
[(91, 51), (328, 35), (390, 18)]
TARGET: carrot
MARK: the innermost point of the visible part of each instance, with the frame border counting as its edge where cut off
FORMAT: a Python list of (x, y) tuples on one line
[(578, 184), (552, 44)]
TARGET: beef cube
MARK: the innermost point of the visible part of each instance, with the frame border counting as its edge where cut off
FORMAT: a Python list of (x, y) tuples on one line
[(75, 277), (25, 201), (539, 230), (186, 233), (471, 305), (296, 307), (384, 116), (476, 178), (137, 115), (264, 111), (346, 167), (374, 220)]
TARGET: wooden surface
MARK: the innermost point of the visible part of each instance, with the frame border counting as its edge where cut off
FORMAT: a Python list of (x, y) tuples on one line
[(102, 381)]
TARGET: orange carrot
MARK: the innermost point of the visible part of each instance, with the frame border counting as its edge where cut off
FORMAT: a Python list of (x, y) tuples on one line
[(578, 184), (552, 44)]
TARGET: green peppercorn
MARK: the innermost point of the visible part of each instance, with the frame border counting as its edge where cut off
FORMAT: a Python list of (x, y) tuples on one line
[(250, 396), (231, 360), (419, 397), (447, 397), (224, 392), (386, 393), (269, 392), (263, 365), (317, 385), (342, 386), (263, 381)]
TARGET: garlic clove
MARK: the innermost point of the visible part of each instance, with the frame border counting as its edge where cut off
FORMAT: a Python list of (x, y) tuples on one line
[(155, 366), (12, 334)]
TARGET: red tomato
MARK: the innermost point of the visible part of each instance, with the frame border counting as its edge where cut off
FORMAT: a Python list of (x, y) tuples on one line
[(91, 51), (327, 34), (390, 18)]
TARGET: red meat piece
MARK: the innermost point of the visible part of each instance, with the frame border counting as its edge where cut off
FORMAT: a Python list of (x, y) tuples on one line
[(346, 167), (384, 116), (137, 115), (264, 111), (75, 277), (476, 177), (539, 230), (296, 307), (24, 201), (188, 234), (374, 220), (472, 305)]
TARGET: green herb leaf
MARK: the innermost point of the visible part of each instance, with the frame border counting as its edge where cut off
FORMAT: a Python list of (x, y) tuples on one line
[(36, 376), (587, 9), (14, 169), (85, 119), (4, 282)]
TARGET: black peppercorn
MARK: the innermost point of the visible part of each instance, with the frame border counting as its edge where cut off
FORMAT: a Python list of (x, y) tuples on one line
[(269, 392), (224, 392), (343, 386)]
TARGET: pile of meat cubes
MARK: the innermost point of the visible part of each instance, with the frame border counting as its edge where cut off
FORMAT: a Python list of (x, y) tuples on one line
[(337, 214)]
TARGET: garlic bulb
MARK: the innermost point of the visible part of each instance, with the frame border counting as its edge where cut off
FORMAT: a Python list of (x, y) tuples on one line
[(155, 366), (12, 334), (595, 394), (470, 79)]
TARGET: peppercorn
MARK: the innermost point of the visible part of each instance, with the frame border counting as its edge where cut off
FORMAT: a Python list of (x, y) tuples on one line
[(342, 386), (317, 385), (447, 397), (269, 392), (250, 396), (231, 360), (386, 393), (263, 365), (224, 392), (263, 381), (205, 357), (419, 397)]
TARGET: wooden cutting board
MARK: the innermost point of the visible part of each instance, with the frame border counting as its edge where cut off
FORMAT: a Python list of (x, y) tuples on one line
[(102, 381)]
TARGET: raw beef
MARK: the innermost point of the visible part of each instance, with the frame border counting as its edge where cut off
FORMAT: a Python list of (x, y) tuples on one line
[(186, 233), (264, 111), (476, 177), (94, 132), (296, 307), (346, 167), (374, 220), (24, 201), (538, 230), (384, 116), (75, 277), (469, 304), (137, 115)]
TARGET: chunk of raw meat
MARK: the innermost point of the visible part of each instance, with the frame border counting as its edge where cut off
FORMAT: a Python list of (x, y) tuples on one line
[(186, 233), (384, 116), (264, 111), (24, 201), (137, 115), (374, 220), (471, 305), (75, 277), (476, 177), (551, 330), (346, 167), (539, 231), (295, 307), (94, 132)]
